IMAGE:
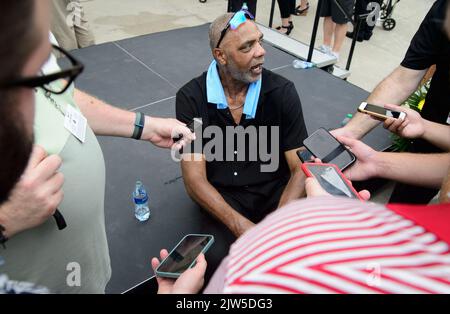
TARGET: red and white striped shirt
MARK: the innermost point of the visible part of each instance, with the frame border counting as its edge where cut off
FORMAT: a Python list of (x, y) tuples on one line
[(338, 245)]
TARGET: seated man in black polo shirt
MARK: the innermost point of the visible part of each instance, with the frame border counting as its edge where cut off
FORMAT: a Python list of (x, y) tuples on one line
[(429, 46), (251, 111)]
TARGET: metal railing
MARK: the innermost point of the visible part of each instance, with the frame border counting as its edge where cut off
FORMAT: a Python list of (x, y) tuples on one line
[(355, 22), (356, 26)]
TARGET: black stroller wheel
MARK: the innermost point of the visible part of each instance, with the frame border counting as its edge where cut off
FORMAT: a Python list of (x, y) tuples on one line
[(383, 15), (202, 1), (389, 24)]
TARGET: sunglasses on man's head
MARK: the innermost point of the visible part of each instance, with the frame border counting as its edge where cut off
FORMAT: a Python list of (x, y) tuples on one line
[(237, 19), (56, 82)]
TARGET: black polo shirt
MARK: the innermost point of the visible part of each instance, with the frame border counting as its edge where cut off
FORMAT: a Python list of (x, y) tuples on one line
[(242, 183), (430, 45)]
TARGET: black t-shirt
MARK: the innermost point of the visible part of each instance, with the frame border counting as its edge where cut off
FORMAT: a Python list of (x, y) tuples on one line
[(430, 45), (242, 182)]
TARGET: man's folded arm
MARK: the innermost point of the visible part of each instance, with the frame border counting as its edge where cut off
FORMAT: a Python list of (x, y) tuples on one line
[(295, 188), (292, 136), (193, 167)]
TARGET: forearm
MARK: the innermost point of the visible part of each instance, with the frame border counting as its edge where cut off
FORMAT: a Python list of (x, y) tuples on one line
[(394, 89), (427, 170), (105, 119), (11, 225), (5, 221), (437, 134), (360, 125), (444, 196), (202, 192), (295, 188)]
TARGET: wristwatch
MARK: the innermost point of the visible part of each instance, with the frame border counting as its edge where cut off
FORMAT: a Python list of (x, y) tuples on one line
[(3, 238)]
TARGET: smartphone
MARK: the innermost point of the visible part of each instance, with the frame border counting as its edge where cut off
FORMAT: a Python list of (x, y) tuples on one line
[(191, 126), (305, 155), (331, 179), (184, 255), (327, 148), (380, 112)]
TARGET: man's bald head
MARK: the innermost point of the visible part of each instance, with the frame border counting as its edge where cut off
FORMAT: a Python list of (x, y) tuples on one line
[(216, 29), (241, 54)]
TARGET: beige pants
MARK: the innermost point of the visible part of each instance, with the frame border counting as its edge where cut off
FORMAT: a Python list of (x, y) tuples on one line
[(69, 25)]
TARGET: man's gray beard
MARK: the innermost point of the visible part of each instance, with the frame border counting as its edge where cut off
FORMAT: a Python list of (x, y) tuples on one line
[(245, 77)]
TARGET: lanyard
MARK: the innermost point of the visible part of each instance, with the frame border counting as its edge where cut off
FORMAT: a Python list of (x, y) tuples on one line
[(48, 95)]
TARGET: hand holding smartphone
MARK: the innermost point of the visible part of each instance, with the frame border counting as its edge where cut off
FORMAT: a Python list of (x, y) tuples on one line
[(191, 126), (184, 255), (380, 112), (327, 148), (331, 179)]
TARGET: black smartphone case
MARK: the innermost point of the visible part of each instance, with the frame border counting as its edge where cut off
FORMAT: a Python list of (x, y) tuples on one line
[(338, 154)]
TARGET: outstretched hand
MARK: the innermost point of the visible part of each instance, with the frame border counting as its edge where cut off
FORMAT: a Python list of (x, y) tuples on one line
[(162, 131)]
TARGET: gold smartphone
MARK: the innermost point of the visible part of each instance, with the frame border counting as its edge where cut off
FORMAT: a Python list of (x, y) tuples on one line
[(380, 112)]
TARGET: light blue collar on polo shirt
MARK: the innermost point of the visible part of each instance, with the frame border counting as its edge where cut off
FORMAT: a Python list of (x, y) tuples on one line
[(216, 95)]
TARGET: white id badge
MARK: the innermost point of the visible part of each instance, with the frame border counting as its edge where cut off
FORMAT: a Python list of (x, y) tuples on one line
[(75, 123)]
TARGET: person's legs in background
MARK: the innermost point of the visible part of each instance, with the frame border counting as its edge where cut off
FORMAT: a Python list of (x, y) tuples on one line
[(302, 8), (287, 7), (63, 34), (340, 20), (339, 36), (368, 30), (328, 30), (69, 25), (365, 31), (360, 8), (83, 33), (328, 27)]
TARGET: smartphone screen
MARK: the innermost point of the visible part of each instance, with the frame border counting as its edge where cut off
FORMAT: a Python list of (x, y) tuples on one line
[(331, 181), (186, 252), (304, 155), (325, 147), (382, 111)]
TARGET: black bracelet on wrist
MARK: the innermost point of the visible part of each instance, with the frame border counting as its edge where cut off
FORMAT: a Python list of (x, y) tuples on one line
[(138, 125), (3, 238)]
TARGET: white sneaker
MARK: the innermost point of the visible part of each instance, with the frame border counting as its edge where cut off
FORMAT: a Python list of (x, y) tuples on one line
[(335, 54), (325, 49)]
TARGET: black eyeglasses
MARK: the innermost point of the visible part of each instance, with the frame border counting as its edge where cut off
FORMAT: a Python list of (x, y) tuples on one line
[(57, 82), (237, 19)]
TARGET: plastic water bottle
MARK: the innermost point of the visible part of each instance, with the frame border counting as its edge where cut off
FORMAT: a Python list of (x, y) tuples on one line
[(140, 198), (300, 64), (348, 117)]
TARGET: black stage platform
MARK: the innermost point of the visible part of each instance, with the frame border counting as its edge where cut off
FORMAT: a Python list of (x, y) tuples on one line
[(145, 72)]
